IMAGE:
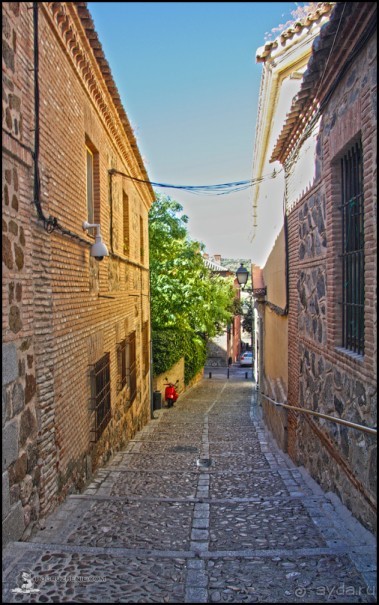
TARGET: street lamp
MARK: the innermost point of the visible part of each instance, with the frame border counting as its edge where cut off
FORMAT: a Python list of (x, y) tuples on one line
[(242, 275), (258, 294)]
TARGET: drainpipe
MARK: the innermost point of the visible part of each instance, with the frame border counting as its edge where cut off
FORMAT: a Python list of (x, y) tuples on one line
[(152, 417), (261, 351)]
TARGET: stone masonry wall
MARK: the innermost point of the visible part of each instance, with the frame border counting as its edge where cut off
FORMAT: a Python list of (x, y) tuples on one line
[(322, 376), (312, 279), (276, 418), (20, 469), (217, 351)]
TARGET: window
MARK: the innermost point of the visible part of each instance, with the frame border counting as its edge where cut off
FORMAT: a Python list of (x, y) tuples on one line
[(90, 186), (142, 243), (121, 362), (145, 346), (101, 394), (132, 367), (125, 204), (352, 250), (127, 365)]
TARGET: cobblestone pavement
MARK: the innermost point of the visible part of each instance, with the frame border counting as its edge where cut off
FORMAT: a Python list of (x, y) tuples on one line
[(200, 508)]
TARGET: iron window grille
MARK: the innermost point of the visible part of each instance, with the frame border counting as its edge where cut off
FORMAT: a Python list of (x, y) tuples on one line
[(101, 395), (353, 292), (121, 363), (132, 367), (145, 345), (90, 186)]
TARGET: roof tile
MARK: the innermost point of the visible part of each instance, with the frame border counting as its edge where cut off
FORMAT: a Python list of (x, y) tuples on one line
[(295, 28)]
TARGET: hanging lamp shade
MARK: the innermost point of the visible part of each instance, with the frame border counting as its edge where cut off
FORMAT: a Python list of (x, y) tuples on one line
[(242, 275)]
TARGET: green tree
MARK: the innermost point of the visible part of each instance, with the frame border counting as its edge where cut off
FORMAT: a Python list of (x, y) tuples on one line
[(185, 296), (247, 321)]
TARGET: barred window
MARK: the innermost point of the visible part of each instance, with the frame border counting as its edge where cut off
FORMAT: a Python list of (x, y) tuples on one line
[(101, 395), (132, 366), (145, 346), (142, 242), (352, 250), (90, 187), (92, 184), (125, 204), (121, 364)]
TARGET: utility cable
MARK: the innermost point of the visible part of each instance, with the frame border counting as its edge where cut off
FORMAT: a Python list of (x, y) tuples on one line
[(218, 189), (51, 223)]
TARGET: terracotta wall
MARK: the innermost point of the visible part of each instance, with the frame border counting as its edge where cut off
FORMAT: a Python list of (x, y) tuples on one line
[(275, 341)]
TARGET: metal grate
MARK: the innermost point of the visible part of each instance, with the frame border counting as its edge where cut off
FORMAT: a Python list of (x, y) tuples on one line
[(204, 462), (352, 250), (132, 367), (101, 395), (145, 347), (121, 363)]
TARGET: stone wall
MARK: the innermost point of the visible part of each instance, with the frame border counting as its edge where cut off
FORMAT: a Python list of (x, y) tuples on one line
[(217, 351), (20, 467), (323, 386), (276, 418), (322, 376), (312, 280)]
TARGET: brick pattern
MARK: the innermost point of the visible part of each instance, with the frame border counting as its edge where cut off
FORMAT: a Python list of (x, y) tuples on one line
[(322, 376), (62, 309), (293, 333)]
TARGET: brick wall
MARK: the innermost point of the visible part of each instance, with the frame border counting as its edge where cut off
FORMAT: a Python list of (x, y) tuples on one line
[(323, 376), (62, 310)]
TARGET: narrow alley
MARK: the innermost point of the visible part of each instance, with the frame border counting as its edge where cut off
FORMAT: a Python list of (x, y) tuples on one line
[(200, 507)]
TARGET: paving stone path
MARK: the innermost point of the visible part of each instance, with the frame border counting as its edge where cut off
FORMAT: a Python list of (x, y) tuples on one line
[(200, 508)]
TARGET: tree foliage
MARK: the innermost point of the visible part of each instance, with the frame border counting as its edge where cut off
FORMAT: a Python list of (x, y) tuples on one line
[(185, 296), (247, 321), (165, 355), (184, 293)]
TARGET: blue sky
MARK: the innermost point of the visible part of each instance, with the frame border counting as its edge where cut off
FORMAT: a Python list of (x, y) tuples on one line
[(189, 83)]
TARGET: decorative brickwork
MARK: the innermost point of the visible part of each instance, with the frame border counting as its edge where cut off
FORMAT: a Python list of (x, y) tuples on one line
[(62, 309)]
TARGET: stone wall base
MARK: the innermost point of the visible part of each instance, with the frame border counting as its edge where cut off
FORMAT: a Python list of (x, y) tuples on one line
[(275, 417)]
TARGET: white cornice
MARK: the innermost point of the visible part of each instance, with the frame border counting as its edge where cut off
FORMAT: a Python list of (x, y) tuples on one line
[(275, 70)]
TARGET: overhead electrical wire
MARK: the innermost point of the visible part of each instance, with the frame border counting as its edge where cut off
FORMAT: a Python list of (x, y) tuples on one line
[(51, 223), (218, 189)]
